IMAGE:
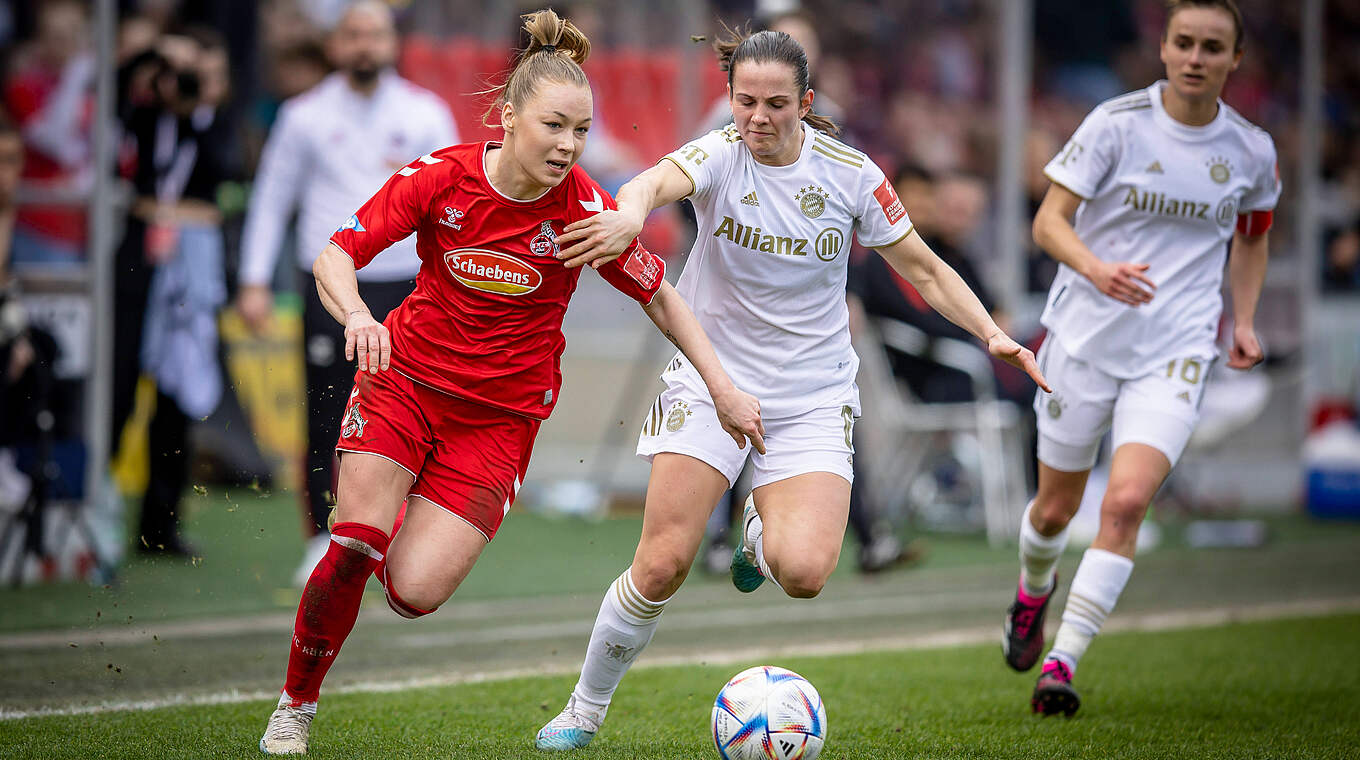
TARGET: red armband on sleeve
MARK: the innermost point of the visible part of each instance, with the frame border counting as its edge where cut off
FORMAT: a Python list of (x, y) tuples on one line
[(1255, 222)]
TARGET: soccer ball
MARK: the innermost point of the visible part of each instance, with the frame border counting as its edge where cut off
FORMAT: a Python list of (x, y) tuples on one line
[(768, 713)]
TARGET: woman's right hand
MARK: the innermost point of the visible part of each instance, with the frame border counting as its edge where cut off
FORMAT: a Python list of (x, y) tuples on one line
[(1121, 280), (739, 415), (368, 339), (597, 240)]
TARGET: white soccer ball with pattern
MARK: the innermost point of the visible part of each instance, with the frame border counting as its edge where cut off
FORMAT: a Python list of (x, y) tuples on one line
[(768, 713)]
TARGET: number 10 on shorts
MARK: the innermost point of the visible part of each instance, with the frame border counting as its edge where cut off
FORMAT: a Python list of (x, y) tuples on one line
[(1191, 370)]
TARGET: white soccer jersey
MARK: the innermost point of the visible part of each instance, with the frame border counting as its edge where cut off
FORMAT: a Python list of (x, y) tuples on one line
[(331, 149), (766, 276), (1166, 194)]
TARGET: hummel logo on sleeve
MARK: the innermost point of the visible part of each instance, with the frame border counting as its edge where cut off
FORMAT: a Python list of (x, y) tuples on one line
[(596, 205)]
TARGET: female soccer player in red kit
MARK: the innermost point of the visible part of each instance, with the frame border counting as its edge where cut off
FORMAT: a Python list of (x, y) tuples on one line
[(451, 390)]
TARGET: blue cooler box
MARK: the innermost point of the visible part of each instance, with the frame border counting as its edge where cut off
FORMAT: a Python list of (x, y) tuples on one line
[(1334, 491)]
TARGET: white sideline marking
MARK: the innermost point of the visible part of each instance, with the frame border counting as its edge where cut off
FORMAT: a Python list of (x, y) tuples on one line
[(378, 614), (726, 616), (1156, 621)]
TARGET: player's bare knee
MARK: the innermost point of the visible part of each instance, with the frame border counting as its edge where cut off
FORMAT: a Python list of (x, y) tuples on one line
[(659, 575), (1051, 514), (413, 604), (1124, 508), (804, 578), (800, 586)]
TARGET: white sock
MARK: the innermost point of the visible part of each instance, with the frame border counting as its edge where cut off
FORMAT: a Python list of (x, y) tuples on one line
[(1038, 556), (625, 624), (287, 701), (761, 563), (1096, 587)]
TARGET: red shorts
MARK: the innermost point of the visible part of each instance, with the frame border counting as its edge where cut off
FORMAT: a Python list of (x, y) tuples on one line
[(467, 458)]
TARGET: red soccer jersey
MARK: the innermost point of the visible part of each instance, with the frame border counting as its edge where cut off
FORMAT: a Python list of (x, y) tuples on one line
[(485, 320)]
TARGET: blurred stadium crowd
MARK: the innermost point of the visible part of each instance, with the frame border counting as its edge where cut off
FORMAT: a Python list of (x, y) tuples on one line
[(912, 81)]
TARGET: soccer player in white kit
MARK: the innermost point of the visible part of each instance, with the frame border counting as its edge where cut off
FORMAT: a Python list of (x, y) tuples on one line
[(1160, 180), (777, 201)]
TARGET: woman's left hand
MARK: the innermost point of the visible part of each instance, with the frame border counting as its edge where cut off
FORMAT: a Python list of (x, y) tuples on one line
[(1246, 349), (1002, 347)]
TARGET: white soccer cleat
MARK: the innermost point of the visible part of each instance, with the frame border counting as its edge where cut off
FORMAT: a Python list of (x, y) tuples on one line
[(287, 731), (573, 728)]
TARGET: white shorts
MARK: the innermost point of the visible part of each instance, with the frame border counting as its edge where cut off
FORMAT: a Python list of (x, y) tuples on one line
[(1159, 409), (684, 421)]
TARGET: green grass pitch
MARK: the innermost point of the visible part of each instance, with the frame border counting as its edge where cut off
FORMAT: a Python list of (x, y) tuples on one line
[(1279, 689)]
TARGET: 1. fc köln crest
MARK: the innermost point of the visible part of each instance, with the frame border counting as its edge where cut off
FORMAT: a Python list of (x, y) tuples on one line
[(545, 242), (353, 424)]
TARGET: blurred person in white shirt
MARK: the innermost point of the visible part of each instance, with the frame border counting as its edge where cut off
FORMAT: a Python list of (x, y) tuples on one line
[(331, 148)]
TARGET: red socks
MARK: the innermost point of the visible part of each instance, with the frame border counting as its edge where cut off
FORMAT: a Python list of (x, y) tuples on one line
[(330, 605)]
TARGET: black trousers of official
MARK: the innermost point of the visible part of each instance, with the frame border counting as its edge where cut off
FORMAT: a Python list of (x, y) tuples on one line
[(329, 380), (168, 432)]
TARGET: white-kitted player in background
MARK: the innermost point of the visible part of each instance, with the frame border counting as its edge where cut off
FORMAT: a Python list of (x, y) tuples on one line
[(1160, 180)]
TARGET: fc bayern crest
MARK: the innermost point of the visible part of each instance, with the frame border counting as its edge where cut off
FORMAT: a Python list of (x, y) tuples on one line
[(1220, 170), (676, 419), (545, 242), (812, 201)]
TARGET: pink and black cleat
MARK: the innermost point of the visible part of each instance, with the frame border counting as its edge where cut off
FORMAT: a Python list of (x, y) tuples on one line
[(1053, 693), (1022, 639)]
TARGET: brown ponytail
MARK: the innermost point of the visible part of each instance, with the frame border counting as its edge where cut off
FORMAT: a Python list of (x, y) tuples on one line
[(555, 53), (739, 45)]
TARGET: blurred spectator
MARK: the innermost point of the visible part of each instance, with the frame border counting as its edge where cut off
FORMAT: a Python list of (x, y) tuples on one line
[(945, 213), (1078, 43), (298, 68), (169, 279), (15, 352), (11, 168), (330, 149), (961, 208), (27, 354), (291, 69), (1341, 259), (48, 94), (929, 131), (1040, 146), (136, 34)]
